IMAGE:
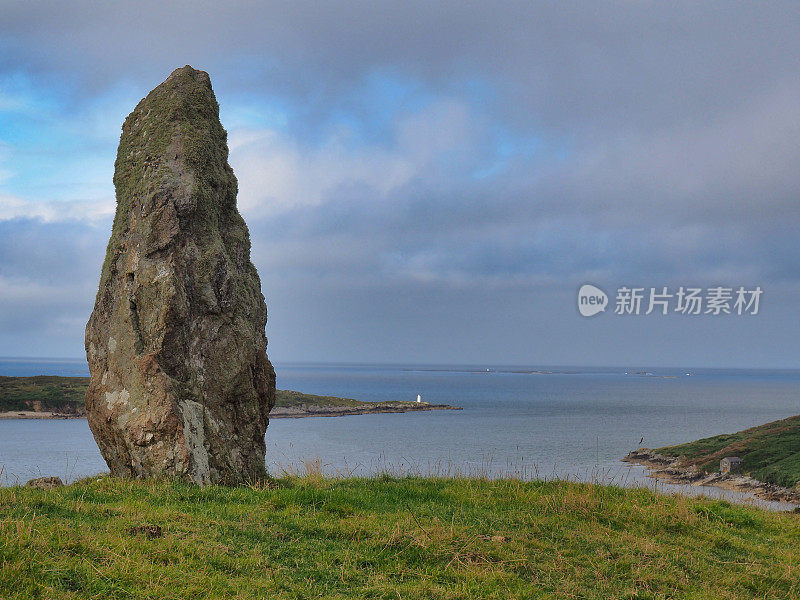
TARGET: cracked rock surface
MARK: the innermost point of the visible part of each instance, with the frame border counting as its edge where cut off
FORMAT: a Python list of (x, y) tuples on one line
[(180, 381)]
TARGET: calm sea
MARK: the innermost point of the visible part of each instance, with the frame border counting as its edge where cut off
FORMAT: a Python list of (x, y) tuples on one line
[(524, 421)]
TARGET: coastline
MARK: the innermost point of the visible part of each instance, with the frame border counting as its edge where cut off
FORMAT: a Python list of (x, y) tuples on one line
[(279, 412), (318, 410), (56, 397), (669, 469), (36, 414)]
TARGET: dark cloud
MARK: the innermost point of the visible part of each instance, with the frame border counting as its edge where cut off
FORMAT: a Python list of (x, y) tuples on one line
[(48, 280), (453, 162), (563, 67)]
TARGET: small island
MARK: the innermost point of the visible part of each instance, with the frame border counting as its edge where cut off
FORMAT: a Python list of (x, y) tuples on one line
[(762, 460), (55, 397)]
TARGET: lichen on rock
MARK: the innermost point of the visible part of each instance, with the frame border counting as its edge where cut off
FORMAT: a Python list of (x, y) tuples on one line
[(180, 381)]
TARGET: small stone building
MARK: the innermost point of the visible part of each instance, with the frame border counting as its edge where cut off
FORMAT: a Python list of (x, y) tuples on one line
[(729, 463)]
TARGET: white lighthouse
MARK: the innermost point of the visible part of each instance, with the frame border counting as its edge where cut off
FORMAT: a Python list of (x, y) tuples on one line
[(419, 398)]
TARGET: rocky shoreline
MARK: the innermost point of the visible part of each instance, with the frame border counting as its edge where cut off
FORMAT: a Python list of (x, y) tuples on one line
[(279, 412), (296, 412), (670, 469), (37, 414)]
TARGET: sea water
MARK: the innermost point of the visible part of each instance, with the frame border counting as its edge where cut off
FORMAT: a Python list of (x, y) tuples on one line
[(520, 421)]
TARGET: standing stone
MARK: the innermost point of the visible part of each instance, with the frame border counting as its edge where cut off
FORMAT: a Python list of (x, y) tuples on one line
[(181, 385)]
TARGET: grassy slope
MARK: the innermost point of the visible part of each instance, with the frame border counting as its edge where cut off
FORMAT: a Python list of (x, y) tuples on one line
[(18, 393), (389, 538), (291, 398), (769, 452), (58, 393)]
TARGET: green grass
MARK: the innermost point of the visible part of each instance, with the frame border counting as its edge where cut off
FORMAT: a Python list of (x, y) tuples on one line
[(67, 394), (286, 398), (43, 392), (388, 538), (769, 453)]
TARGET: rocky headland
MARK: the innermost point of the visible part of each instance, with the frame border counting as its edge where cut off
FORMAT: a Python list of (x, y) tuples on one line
[(674, 469), (53, 397)]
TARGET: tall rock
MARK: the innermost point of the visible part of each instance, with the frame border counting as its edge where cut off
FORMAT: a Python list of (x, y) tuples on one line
[(181, 385)]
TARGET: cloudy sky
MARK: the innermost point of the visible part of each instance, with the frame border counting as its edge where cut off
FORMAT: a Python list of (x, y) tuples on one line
[(431, 182)]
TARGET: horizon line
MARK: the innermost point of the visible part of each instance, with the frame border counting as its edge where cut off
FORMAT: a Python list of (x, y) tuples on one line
[(490, 365)]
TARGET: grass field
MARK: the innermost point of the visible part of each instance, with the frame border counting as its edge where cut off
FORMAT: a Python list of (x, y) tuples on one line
[(287, 398), (769, 453), (388, 538)]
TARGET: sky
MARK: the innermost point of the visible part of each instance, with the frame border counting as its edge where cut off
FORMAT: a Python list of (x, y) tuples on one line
[(432, 182)]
